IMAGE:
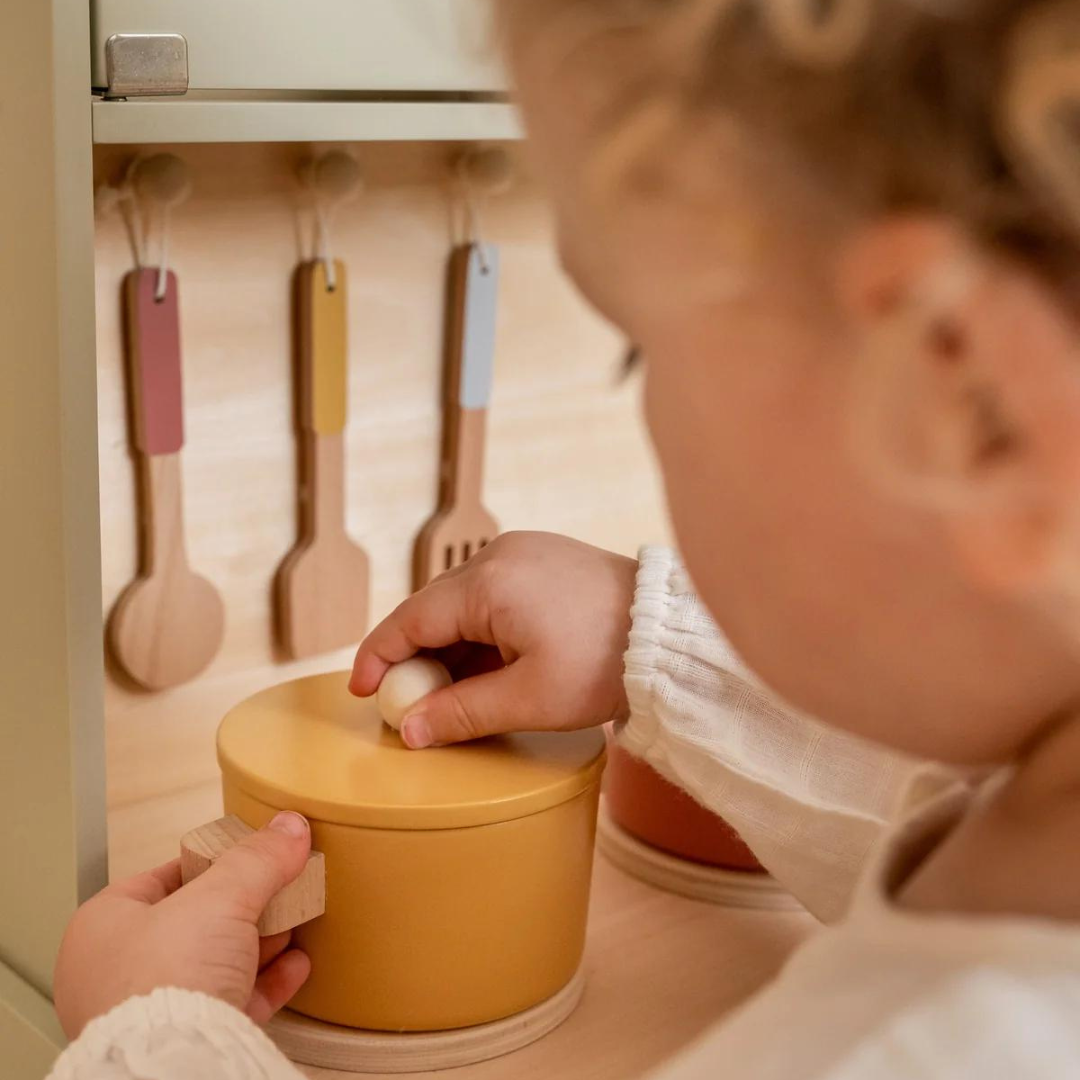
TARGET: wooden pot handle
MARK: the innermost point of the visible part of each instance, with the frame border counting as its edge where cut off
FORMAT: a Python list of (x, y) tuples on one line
[(299, 902)]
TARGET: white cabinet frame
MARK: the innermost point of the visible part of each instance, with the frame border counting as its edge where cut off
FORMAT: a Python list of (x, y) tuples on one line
[(52, 743), (200, 120), (274, 46), (315, 71)]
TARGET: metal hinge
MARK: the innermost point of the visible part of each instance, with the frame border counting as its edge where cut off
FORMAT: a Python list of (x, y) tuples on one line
[(146, 65)]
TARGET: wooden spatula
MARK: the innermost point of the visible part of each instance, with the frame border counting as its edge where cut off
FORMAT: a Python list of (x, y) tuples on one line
[(461, 525), (322, 586), (169, 622)]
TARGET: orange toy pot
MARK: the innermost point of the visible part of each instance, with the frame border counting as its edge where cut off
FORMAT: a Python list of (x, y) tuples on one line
[(457, 879), (644, 804)]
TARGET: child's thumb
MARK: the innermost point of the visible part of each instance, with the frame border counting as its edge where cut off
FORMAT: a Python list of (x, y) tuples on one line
[(253, 872), (482, 705)]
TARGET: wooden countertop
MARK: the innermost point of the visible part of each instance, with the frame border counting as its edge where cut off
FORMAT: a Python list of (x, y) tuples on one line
[(661, 970)]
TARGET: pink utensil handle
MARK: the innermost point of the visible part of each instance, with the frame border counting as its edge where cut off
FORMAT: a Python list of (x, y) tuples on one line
[(153, 347)]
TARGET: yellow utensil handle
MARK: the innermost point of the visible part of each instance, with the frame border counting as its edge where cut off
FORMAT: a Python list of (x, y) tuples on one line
[(322, 347)]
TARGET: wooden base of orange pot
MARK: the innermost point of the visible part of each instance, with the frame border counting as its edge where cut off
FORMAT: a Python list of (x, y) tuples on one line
[(329, 1046), (729, 888)]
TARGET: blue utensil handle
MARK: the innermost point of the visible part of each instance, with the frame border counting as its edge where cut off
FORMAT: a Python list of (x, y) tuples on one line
[(479, 304)]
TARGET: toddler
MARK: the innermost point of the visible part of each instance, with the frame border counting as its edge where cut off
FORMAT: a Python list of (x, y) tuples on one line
[(845, 237)]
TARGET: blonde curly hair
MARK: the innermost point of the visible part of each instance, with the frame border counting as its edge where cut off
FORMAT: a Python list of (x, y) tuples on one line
[(966, 107)]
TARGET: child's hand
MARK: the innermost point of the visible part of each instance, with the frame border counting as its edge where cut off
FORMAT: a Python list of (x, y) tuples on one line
[(148, 932), (540, 623)]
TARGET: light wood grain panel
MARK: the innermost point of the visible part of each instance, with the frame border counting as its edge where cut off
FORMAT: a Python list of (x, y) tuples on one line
[(148, 833), (565, 448)]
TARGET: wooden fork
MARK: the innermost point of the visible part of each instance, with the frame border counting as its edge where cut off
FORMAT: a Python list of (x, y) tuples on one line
[(461, 525)]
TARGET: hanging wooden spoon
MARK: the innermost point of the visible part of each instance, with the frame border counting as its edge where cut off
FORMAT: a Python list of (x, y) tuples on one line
[(169, 622), (322, 586), (461, 525)]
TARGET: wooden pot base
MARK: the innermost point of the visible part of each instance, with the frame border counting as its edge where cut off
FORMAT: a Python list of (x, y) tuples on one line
[(727, 888), (330, 1046)]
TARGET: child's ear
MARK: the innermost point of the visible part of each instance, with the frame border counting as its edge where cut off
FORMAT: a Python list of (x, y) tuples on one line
[(965, 395)]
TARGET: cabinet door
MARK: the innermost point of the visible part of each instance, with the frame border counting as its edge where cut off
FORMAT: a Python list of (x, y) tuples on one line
[(389, 46)]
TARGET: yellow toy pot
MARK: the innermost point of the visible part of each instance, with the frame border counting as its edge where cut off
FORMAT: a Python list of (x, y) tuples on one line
[(457, 879)]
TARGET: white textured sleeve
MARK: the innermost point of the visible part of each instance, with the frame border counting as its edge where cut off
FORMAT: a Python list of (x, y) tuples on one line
[(892, 994), (807, 799), (173, 1035)]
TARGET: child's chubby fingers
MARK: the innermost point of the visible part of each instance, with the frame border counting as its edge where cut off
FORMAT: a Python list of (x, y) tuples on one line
[(270, 948), (148, 931), (276, 984), (440, 615), (149, 887), (494, 703), (248, 876)]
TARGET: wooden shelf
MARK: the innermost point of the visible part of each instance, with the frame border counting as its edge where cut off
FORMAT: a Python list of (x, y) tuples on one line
[(201, 120)]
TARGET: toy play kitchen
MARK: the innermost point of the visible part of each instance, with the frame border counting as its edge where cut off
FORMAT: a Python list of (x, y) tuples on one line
[(184, 278)]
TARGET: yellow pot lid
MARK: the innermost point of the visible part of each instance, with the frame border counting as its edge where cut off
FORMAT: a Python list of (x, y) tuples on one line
[(312, 747)]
